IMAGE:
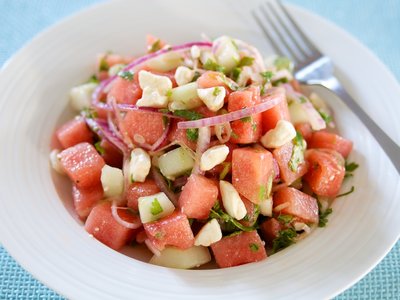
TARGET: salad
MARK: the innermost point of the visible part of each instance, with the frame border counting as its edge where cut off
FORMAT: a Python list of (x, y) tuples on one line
[(200, 151)]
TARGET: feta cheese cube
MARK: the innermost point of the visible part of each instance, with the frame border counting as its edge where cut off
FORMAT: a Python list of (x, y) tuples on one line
[(183, 75), (195, 52), (208, 234), (154, 207), (212, 97), (266, 207), (112, 181), (139, 166), (233, 204), (155, 89), (283, 133), (213, 156), (226, 53), (55, 162), (81, 96)]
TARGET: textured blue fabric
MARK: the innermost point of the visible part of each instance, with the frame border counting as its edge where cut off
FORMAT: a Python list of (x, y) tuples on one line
[(375, 23)]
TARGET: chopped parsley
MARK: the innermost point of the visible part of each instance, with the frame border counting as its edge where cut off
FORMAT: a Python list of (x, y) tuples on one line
[(236, 73), (155, 46), (350, 168), (254, 247), (231, 84), (169, 93), (262, 192), (283, 63), (267, 75), (254, 126), (234, 135), (246, 61), (192, 134), (246, 119), (89, 113), (217, 213), (327, 118), (213, 66), (303, 99), (346, 193), (216, 91), (225, 170), (156, 207), (285, 219), (99, 148), (127, 75), (158, 235), (188, 114), (323, 216), (297, 153), (284, 239), (93, 79), (196, 76), (104, 66)]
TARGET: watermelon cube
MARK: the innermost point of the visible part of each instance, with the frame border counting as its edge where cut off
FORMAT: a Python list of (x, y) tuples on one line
[(252, 172), (83, 165), (125, 90), (86, 198), (140, 189), (305, 129), (198, 196), (74, 132), (102, 225), (290, 201), (271, 116), (239, 249), (246, 130), (283, 156), (269, 230), (173, 230), (326, 171), (142, 124), (180, 135), (328, 140), (111, 154)]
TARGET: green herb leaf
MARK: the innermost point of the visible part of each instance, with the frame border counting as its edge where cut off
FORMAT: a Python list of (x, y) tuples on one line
[(155, 46), (285, 219), (267, 75), (213, 66), (216, 91), (246, 61), (254, 126), (327, 118), (192, 134), (303, 99), (323, 215), (297, 157), (350, 167), (282, 63), (99, 148), (127, 75), (246, 119), (196, 76), (347, 193), (156, 207), (254, 247), (225, 170), (231, 84), (89, 113), (217, 213), (104, 66), (93, 79), (234, 135), (188, 114), (285, 238), (236, 73), (168, 93)]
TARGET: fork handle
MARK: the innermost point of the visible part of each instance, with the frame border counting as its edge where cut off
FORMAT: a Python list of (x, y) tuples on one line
[(391, 149)]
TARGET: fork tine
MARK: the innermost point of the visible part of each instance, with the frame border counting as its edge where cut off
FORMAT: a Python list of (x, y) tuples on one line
[(300, 33)]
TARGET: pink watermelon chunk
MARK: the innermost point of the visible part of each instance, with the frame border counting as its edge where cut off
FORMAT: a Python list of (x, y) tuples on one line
[(252, 170), (239, 249), (296, 203), (82, 164), (271, 117), (86, 199), (125, 91), (140, 189), (74, 132), (198, 196), (269, 230), (112, 155), (328, 140), (180, 135), (102, 225), (173, 230)]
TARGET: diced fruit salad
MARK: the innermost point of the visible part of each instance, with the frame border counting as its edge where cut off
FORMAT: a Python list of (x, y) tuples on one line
[(200, 151)]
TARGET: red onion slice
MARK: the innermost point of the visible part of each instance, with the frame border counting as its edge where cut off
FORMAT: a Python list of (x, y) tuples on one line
[(277, 95), (114, 211), (163, 186)]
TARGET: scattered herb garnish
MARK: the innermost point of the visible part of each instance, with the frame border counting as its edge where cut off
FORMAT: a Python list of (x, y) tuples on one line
[(234, 135), (168, 93), (285, 219), (246, 119), (104, 66), (89, 113), (303, 99), (267, 75), (236, 73), (127, 75), (246, 61), (217, 213), (213, 66), (254, 126), (254, 247), (346, 193), (192, 134), (285, 238), (155, 207), (99, 148), (93, 79), (350, 168), (327, 118), (196, 76), (323, 215), (297, 152), (155, 46), (225, 170), (188, 114), (216, 91)]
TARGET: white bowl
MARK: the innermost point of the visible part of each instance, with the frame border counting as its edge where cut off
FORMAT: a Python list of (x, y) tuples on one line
[(38, 231)]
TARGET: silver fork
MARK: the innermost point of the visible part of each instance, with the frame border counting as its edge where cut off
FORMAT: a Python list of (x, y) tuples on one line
[(313, 67)]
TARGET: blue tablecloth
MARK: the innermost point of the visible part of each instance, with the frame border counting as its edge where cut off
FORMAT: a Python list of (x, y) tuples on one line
[(376, 23)]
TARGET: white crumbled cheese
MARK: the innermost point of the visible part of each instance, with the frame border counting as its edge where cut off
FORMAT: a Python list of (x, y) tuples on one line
[(183, 75), (154, 207), (212, 97), (81, 96), (155, 89), (207, 55), (283, 133), (55, 162), (139, 166), (208, 234), (233, 204), (112, 180), (213, 156), (114, 70), (195, 52), (244, 76), (266, 207), (226, 53)]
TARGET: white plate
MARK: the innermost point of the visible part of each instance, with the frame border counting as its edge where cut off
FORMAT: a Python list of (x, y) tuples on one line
[(45, 239)]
